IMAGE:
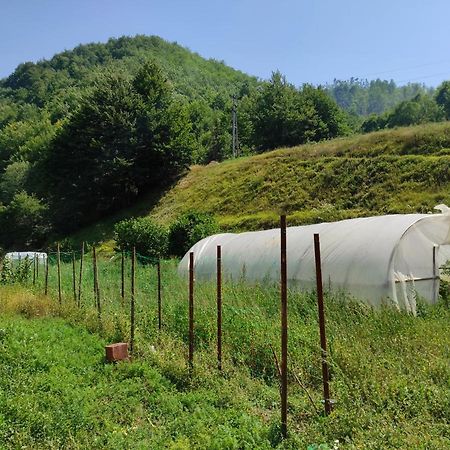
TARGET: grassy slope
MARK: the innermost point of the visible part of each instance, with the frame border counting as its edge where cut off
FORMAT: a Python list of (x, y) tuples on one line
[(390, 372), (393, 171)]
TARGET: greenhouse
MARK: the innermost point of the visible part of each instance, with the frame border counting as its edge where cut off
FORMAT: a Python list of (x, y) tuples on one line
[(20, 256), (392, 259)]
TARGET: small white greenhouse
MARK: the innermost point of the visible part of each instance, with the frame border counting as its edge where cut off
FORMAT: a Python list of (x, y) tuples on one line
[(41, 257), (380, 260)]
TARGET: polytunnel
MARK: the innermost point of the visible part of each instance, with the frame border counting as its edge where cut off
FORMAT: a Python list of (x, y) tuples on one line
[(40, 257), (388, 259)]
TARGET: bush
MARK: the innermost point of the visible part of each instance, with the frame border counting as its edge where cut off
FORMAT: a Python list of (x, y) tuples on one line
[(189, 229), (149, 238)]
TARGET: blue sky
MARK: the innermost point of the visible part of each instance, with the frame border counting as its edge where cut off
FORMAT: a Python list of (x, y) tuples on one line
[(311, 41)]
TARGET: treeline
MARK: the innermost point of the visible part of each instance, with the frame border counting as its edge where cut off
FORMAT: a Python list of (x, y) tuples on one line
[(361, 97), (86, 133), (379, 104)]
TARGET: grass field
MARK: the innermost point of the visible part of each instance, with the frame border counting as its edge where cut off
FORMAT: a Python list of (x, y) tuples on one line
[(390, 371)]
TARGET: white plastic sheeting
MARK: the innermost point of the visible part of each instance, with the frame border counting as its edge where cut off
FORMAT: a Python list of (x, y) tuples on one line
[(18, 256), (380, 260)]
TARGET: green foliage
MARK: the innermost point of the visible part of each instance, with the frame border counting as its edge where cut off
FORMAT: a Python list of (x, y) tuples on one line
[(420, 109), (70, 398), (13, 180), (364, 97), (127, 136), (23, 222), (189, 229), (285, 116), (443, 98), (149, 239), (15, 271)]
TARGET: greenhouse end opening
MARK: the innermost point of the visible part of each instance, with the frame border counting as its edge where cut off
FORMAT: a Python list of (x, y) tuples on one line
[(390, 259)]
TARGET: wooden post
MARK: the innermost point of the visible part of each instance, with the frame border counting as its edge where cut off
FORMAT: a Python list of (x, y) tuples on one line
[(323, 339), (158, 269), (132, 312), (34, 269), (284, 328), (74, 283), (191, 310), (46, 274), (37, 267), (122, 276), (58, 256), (219, 307), (94, 271), (96, 283), (80, 280), (434, 273)]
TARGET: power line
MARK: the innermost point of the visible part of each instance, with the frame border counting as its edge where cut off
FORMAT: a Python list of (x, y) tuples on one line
[(419, 66)]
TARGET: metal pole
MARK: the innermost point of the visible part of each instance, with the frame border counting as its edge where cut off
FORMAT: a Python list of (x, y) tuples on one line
[(34, 269), (284, 328), (97, 285), (191, 310), (94, 269), (74, 283), (46, 274), (80, 281), (323, 339), (158, 267), (132, 318), (434, 273), (219, 307), (122, 276), (58, 253)]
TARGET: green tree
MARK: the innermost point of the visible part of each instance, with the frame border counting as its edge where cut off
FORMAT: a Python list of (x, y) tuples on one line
[(127, 136), (24, 222), (443, 98), (13, 180)]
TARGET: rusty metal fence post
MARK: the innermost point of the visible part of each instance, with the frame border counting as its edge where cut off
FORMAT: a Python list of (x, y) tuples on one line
[(74, 283), (191, 310), (219, 307), (132, 302), (323, 339), (284, 328), (58, 256), (80, 280), (158, 270)]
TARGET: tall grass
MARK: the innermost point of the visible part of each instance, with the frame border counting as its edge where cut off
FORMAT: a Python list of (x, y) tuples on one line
[(390, 371)]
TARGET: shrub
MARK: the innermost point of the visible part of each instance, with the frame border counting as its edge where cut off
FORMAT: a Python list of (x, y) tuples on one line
[(189, 229), (149, 238), (17, 272)]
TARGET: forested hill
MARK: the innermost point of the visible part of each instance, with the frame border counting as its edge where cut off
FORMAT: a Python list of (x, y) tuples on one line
[(94, 129), (56, 81)]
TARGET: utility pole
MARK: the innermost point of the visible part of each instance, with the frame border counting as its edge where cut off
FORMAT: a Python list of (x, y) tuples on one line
[(235, 128)]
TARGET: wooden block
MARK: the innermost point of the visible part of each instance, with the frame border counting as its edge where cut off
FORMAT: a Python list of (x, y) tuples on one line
[(116, 352)]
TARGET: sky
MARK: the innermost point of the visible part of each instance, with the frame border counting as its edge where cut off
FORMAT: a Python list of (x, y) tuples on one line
[(309, 41)]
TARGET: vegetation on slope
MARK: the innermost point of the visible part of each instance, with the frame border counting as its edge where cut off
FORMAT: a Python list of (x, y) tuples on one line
[(398, 171)]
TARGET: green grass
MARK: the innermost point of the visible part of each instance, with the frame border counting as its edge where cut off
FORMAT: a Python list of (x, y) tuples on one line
[(390, 371), (402, 170)]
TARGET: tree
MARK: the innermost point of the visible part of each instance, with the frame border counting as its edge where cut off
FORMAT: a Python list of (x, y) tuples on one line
[(421, 109), (443, 98), (24, 222), (127, 136), (286, 116), (13, 180)]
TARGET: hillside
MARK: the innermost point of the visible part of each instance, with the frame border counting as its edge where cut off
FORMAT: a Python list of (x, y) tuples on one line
[(74, 70), (394, 171)]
